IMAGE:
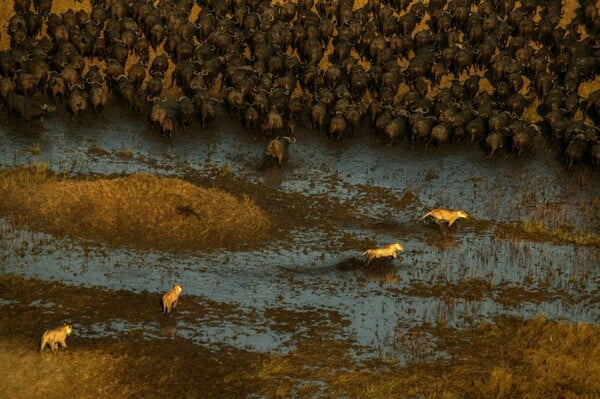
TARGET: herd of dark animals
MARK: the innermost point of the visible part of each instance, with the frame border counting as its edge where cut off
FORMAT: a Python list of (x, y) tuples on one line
[(263, 53), (246, 42)]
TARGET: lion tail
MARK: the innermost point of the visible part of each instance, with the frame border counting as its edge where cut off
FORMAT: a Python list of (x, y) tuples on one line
[(425, 215)]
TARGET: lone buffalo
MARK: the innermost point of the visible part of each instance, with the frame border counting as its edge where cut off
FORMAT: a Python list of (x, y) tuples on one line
[(278, 147), (27, 108)]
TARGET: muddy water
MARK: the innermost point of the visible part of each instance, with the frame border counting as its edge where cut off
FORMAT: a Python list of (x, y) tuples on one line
[(452, 277)]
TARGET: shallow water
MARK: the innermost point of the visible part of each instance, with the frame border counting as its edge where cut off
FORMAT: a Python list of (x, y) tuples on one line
[(456, 277)]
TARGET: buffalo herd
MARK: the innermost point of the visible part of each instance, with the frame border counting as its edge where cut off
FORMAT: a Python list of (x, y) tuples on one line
[(501, 73)]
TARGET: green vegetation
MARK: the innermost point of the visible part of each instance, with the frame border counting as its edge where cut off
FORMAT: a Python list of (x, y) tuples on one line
[(140, 210)]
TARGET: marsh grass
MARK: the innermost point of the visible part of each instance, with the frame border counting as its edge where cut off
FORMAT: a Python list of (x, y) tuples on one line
[(505, 358), (544, 359), (508, 358), (537, 231), (141, 210)]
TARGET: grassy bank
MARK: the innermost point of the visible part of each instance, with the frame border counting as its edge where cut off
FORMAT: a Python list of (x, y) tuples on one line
[(141, 210), (537, 231), (507, 358)]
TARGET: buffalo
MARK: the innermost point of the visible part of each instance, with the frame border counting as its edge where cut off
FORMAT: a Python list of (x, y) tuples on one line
[(523, 137), (167, 126), (496, 139), (395, 129), (272, 122), (337, 127), (158, 113), (98, 97), (185, 111), (28, 108), (77, 101), (278, 148), (576, 151)]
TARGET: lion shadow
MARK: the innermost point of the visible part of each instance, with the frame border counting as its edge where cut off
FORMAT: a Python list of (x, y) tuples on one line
[(382, 269), (168, 327)]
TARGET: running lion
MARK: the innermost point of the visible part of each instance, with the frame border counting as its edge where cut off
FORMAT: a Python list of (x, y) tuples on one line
[(446, 215), (390, 250)]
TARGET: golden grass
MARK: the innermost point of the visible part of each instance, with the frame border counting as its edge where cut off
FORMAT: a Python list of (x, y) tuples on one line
[(586, 88), (556, 359), (507, 359), (569, 8), (140, 210)]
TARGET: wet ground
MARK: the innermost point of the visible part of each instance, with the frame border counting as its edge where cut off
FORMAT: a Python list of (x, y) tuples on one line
[(331, 201)]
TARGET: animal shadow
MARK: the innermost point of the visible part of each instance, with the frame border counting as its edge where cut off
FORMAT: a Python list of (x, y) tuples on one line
[(168, 327), (381, 269)]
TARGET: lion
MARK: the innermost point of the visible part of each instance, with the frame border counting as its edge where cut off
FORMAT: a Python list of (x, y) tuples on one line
[(54, 337), (169, 300), (446, 215), (390, 250)]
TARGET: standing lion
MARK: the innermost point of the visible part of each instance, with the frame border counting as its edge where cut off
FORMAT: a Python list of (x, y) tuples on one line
[(54, 337), (169, 300)]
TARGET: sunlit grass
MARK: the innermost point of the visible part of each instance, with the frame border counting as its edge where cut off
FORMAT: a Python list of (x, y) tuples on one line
[(141, 210), (507, 359), (537, 231)]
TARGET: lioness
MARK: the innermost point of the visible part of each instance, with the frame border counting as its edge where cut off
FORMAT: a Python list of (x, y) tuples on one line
[(370, 254), (54, 337), (446, 215), (169, 300)]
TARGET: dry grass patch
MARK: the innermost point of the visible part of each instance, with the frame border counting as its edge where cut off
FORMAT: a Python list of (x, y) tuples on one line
[(510, 358), (140, 210), (545, 360), (537, 231)]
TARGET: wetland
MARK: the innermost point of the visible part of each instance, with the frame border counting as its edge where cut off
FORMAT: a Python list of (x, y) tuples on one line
[(463, 312)]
